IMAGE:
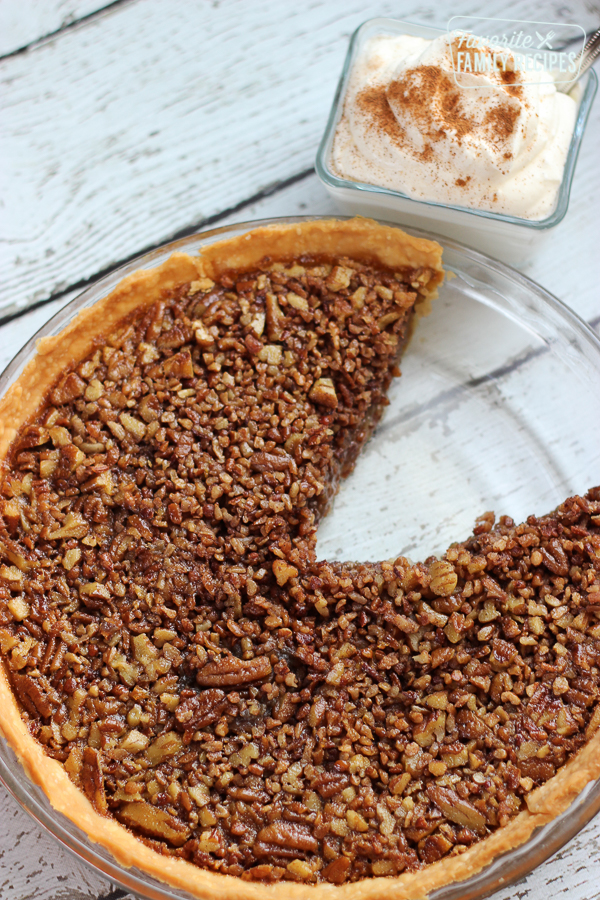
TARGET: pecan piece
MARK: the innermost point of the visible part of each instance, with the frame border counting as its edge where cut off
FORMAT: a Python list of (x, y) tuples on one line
[(92, 779), (33, 436), (258, 323), (14, 578), (323, 392), (339, 278), (271, 354), (94, 595), (283, 571), (441, 656), (154, 822), (18, 607), (540, 770), (337, 871), (68, 389), (175, 337), (248, 795), (197, 712), (296, 301), (270, 462), (275, 318), (557, 560), (73, 526), (164, 747), (135, 428), (232, 671), (286, 836), (253, 345), (134, 741), (435, 846), (36, 695), (443, 578), (503, 654), (471, 727), (456, 809), (69, 458), (328, 784), (60, 436), (149, 408), (178, 366), (120, 366), (455, 627), (11, 513), (204, 338), (386, 320)]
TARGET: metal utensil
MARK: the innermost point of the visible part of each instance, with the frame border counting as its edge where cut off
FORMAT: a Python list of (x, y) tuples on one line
[(587, 58)]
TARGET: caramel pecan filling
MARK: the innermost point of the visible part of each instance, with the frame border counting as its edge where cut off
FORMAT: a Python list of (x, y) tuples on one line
[(174, 643)]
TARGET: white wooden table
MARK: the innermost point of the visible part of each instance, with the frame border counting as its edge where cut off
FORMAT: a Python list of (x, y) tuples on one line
[(129, 123)]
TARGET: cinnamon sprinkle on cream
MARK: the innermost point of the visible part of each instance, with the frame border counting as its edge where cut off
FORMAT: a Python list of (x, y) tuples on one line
[(425, 91), (492, 140)]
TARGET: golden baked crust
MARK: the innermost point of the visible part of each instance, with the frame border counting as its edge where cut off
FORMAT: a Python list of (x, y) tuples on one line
[(355, 239)]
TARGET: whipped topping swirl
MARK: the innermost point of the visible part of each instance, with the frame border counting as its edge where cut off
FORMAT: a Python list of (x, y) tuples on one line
[(498, 141)]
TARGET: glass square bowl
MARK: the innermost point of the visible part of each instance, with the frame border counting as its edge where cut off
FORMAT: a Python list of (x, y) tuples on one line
[(504, 237), (498, 407)]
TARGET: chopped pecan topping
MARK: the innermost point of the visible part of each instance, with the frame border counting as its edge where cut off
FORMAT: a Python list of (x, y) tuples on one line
[(174, 643)]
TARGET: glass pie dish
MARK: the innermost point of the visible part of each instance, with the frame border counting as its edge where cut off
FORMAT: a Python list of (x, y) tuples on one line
[(498, 408), (503, 236)]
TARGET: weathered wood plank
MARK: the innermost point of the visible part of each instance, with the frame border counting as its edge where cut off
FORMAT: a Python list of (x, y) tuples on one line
[(23, 24), (141, 123), (141, 131), (562, 265), (34, 866)]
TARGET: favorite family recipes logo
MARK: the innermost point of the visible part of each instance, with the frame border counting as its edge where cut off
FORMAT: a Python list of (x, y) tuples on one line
[(481, 45)]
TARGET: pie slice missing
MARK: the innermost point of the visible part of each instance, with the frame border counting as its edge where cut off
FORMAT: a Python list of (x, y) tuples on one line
[(183, 677)]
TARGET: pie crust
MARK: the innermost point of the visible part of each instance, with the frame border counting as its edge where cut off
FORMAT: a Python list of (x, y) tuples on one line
[(359, 239)]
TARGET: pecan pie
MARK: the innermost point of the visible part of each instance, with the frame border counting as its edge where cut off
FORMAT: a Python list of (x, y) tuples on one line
[(184, 678)]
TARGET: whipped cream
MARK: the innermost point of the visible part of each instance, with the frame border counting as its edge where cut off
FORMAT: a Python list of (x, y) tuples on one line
[(497, 142)]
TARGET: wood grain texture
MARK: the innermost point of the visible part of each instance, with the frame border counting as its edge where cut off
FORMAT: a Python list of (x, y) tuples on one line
[(33, 866), (143, 122), (563, 265), (22, 24)]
